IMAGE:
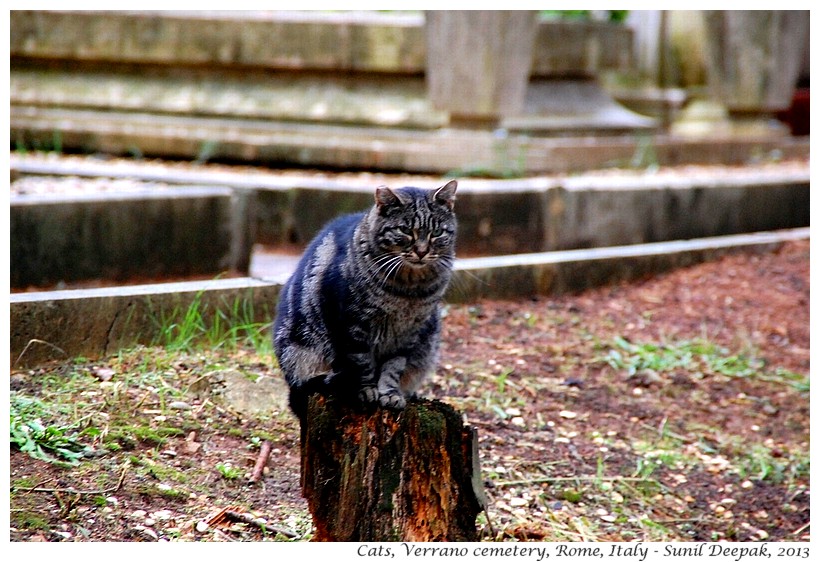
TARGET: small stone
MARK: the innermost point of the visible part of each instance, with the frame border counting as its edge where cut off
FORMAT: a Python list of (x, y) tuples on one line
[(567, 414), (145, 532), (162, 515), (518, 502), (202, 526), (518, 421), (62, 535), (104, 373), (179, 405)]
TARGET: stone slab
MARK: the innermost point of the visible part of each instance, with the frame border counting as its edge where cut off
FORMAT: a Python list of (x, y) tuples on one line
[(295, 40), (143, 234), (449, 151), (571, 271), (375, 100)]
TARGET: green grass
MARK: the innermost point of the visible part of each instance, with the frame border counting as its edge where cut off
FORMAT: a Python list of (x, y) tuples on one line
[(696, 356), (228, 471), (229, 326)]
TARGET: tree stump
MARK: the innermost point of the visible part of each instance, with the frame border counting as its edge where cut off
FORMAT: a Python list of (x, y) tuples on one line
[(390, 476)]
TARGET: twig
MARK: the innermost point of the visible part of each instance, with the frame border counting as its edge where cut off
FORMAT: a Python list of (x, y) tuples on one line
[(80, 492), (548, 479), (801, 529), (35, 340), (259, 522), (261, 461)]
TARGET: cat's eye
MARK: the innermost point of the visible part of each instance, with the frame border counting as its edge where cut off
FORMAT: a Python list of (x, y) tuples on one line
[(439, 232)]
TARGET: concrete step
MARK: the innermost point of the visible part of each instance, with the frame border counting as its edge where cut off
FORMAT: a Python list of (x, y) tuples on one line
[(113, 233), (445, 150), (341, 41), (149, 233), (57, 325), (371, 100)]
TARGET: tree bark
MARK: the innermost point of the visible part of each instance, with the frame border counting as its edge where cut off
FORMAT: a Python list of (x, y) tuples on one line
[(390, 476)]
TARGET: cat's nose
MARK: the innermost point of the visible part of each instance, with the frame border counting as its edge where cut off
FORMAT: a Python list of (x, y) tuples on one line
[(421, 250)]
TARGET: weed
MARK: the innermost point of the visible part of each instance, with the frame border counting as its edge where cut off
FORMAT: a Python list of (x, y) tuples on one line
[(696, 356), (760, 463), (228, 471), (52, 443)]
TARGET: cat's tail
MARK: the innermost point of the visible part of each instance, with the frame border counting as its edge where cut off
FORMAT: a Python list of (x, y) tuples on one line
[(330, 385), (300, 394)]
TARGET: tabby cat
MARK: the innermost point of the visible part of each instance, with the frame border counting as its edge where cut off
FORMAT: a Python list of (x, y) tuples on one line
[(360, 316)]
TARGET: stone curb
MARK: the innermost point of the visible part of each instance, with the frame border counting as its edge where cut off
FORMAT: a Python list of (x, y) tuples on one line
[(59, 325)]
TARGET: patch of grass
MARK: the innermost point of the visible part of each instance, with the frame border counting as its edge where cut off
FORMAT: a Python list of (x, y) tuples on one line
[(160, 471), (759, 462), (29, 520), (228, 471), (128, 436), (229, 326), (695, 356)]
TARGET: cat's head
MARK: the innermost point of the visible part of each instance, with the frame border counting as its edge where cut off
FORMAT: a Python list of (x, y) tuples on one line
[(417, 225)]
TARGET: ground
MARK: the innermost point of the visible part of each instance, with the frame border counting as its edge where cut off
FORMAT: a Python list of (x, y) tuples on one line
[(674, 408)]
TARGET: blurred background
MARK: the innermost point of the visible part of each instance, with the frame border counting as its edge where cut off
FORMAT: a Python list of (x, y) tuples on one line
[(281, 120)]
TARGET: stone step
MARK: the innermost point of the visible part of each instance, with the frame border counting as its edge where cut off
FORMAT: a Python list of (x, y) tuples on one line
[(67, 236), (372, 100), (58, 325), (287, 40), (145, 233), (445, 150)]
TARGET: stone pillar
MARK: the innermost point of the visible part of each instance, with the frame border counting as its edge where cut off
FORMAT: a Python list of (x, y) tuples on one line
[(479, 62), (753, 59)]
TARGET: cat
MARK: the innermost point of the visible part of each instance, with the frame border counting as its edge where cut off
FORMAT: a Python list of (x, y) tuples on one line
[(360, 316)]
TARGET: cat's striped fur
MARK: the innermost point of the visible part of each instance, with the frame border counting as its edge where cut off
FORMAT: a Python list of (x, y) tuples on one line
[(360, 316)]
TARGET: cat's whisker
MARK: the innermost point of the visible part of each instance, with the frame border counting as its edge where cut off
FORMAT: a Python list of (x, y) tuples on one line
[(385, 264), (394, 269)]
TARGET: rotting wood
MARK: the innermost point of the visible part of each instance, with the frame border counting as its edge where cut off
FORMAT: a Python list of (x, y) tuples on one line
[(384, 476)]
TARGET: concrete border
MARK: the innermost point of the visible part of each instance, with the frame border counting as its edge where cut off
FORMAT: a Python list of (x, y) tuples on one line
[(152, 232), (57, 325), (495, 216)]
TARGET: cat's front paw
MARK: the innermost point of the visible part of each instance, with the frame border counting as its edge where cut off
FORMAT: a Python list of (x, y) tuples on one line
[(369, 395), (393, 401)]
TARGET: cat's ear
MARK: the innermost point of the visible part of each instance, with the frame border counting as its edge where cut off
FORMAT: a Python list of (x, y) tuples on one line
[(386, 197), (446, 194)]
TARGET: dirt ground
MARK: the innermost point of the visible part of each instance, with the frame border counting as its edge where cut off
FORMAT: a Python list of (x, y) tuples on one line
[(671, 409)]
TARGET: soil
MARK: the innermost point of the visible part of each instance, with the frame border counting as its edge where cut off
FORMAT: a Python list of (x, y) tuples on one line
[(671, 409)]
